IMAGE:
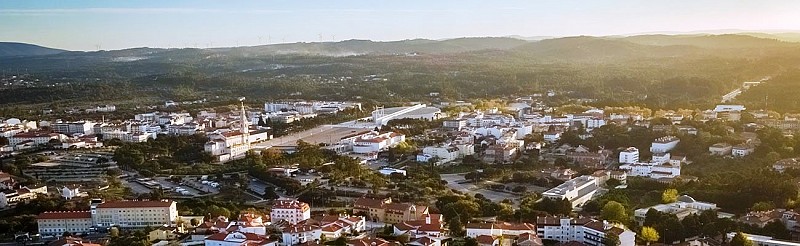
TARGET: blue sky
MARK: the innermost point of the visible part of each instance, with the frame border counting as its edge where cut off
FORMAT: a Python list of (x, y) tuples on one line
[(109, 24)]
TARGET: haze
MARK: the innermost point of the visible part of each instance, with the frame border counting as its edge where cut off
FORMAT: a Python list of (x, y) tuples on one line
[(91, 25)]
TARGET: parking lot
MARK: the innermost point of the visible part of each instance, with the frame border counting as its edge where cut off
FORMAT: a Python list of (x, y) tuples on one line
[(472, 189)]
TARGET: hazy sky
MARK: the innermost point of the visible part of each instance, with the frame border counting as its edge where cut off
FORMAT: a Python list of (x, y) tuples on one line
[(83, 25)]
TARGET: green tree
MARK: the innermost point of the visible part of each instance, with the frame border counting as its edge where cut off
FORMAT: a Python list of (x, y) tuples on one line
[(611, 239), (113, 232), (614, 211), (669, 196), (740, 239), (456, 227), (649, 235), (777, 230)]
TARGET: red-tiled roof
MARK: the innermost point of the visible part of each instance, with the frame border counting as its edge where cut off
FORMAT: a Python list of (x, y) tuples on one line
[(368, 242), (290, 204), (485, 239), (64, 215), (136, 204)]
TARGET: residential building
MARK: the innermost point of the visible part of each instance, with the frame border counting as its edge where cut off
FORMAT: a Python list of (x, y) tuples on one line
[(629, 155), (71, 191), (289, 210), (578, 190), (742, 150), (685, 206), (664, 144), (720, 149), (430, 226), (300, 233), (374, 142), (72, 241), (552, 136), (368, 241), (582, 230), (457, 124), (487, 240), (336, 226), (529, 239), (133, 214), (13, 196), (442, 154), (36, 138), (384, 210), (58, 222), (789, 163), (660, 157), (760, 219)]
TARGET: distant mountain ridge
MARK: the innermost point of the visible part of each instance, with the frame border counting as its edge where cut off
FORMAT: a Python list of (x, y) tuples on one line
[(11, 49)]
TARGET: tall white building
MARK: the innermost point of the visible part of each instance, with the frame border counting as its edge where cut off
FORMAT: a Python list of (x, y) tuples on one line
[(69, 128), (629, 155), (133, 214), (290, 210), (58, 222), (582, 230)]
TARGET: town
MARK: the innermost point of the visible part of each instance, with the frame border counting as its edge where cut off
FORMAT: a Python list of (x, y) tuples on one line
[(502, 172)]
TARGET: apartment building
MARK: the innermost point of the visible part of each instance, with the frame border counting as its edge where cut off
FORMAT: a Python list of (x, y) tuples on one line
[(133, 214), (578, 190), (58, 222), (629, 155), (289, 210), (583, 230), (664, 144)]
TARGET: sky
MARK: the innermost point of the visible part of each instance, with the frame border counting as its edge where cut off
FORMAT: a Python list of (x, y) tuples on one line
[(111, 24)]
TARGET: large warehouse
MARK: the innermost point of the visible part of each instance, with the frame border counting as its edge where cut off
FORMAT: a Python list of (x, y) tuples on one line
[(382, 116)]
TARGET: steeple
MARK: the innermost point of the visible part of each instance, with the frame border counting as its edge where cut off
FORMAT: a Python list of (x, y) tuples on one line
[(245, 126)]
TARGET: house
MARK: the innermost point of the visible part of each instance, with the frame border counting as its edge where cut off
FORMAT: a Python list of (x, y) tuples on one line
[(72, 241), (720, 149), (431, 226), (685, 206), (426, 241), (238, 239), (368, 241), (584, 157), (384, 210), (300, 233), (290, 210), (6, 181), (552, 136), (442, 154), (762, 218), (742, 150), (165, 233), (487, 240), (337, 226), (789, 163), (529, 239), (581, 230), (71, 191)]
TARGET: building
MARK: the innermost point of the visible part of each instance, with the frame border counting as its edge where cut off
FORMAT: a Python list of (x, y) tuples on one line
[(77, 127), (578, 190), (728, 108), (384, 210), (742, 150), (238, 239), (13, 196), (72, 241), (499, 229), (765, 240), (71, 191), (720, 149), (368, 241), (165, 233), (582, 230), (664, 144), (36, 138), (457, 124), (685, 206), (431, 226), (300, 233), (292, 211), (133, 214), (382, 116), (629, 155), (652, 170), (789, 163), (761, 218), (442, 154), (374, 142), (58, 222)]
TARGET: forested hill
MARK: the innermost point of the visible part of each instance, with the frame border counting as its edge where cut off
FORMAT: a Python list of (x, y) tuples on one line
[(8, 49), (653, 70)]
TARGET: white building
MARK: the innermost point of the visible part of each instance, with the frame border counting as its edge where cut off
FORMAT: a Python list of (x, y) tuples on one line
[(499, 229), (552, 136), (582, 230), (442, 154), (720, 149), (69, 192), (297, 234), (36, 138), (664, 144), (729, 108), (69, 128), (374, 142), (685, 206), (420, 111), (629, 155), (765, 240), (578, 190), (660, 158), (133, 214), (292, 211), (58, 222), (742, 150), (652, 170), (455, 124)]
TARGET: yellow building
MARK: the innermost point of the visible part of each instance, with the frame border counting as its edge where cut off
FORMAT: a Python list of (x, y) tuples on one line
[(384, 210)]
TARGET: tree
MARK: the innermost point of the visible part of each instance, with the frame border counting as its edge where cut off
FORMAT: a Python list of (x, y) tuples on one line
[(649, 235), (269, 193), (614, 211), (194, 222), (669, 196), (456, 227), (762, 206), (740, 239), (468, 241), (113, 232), (777, 230)]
